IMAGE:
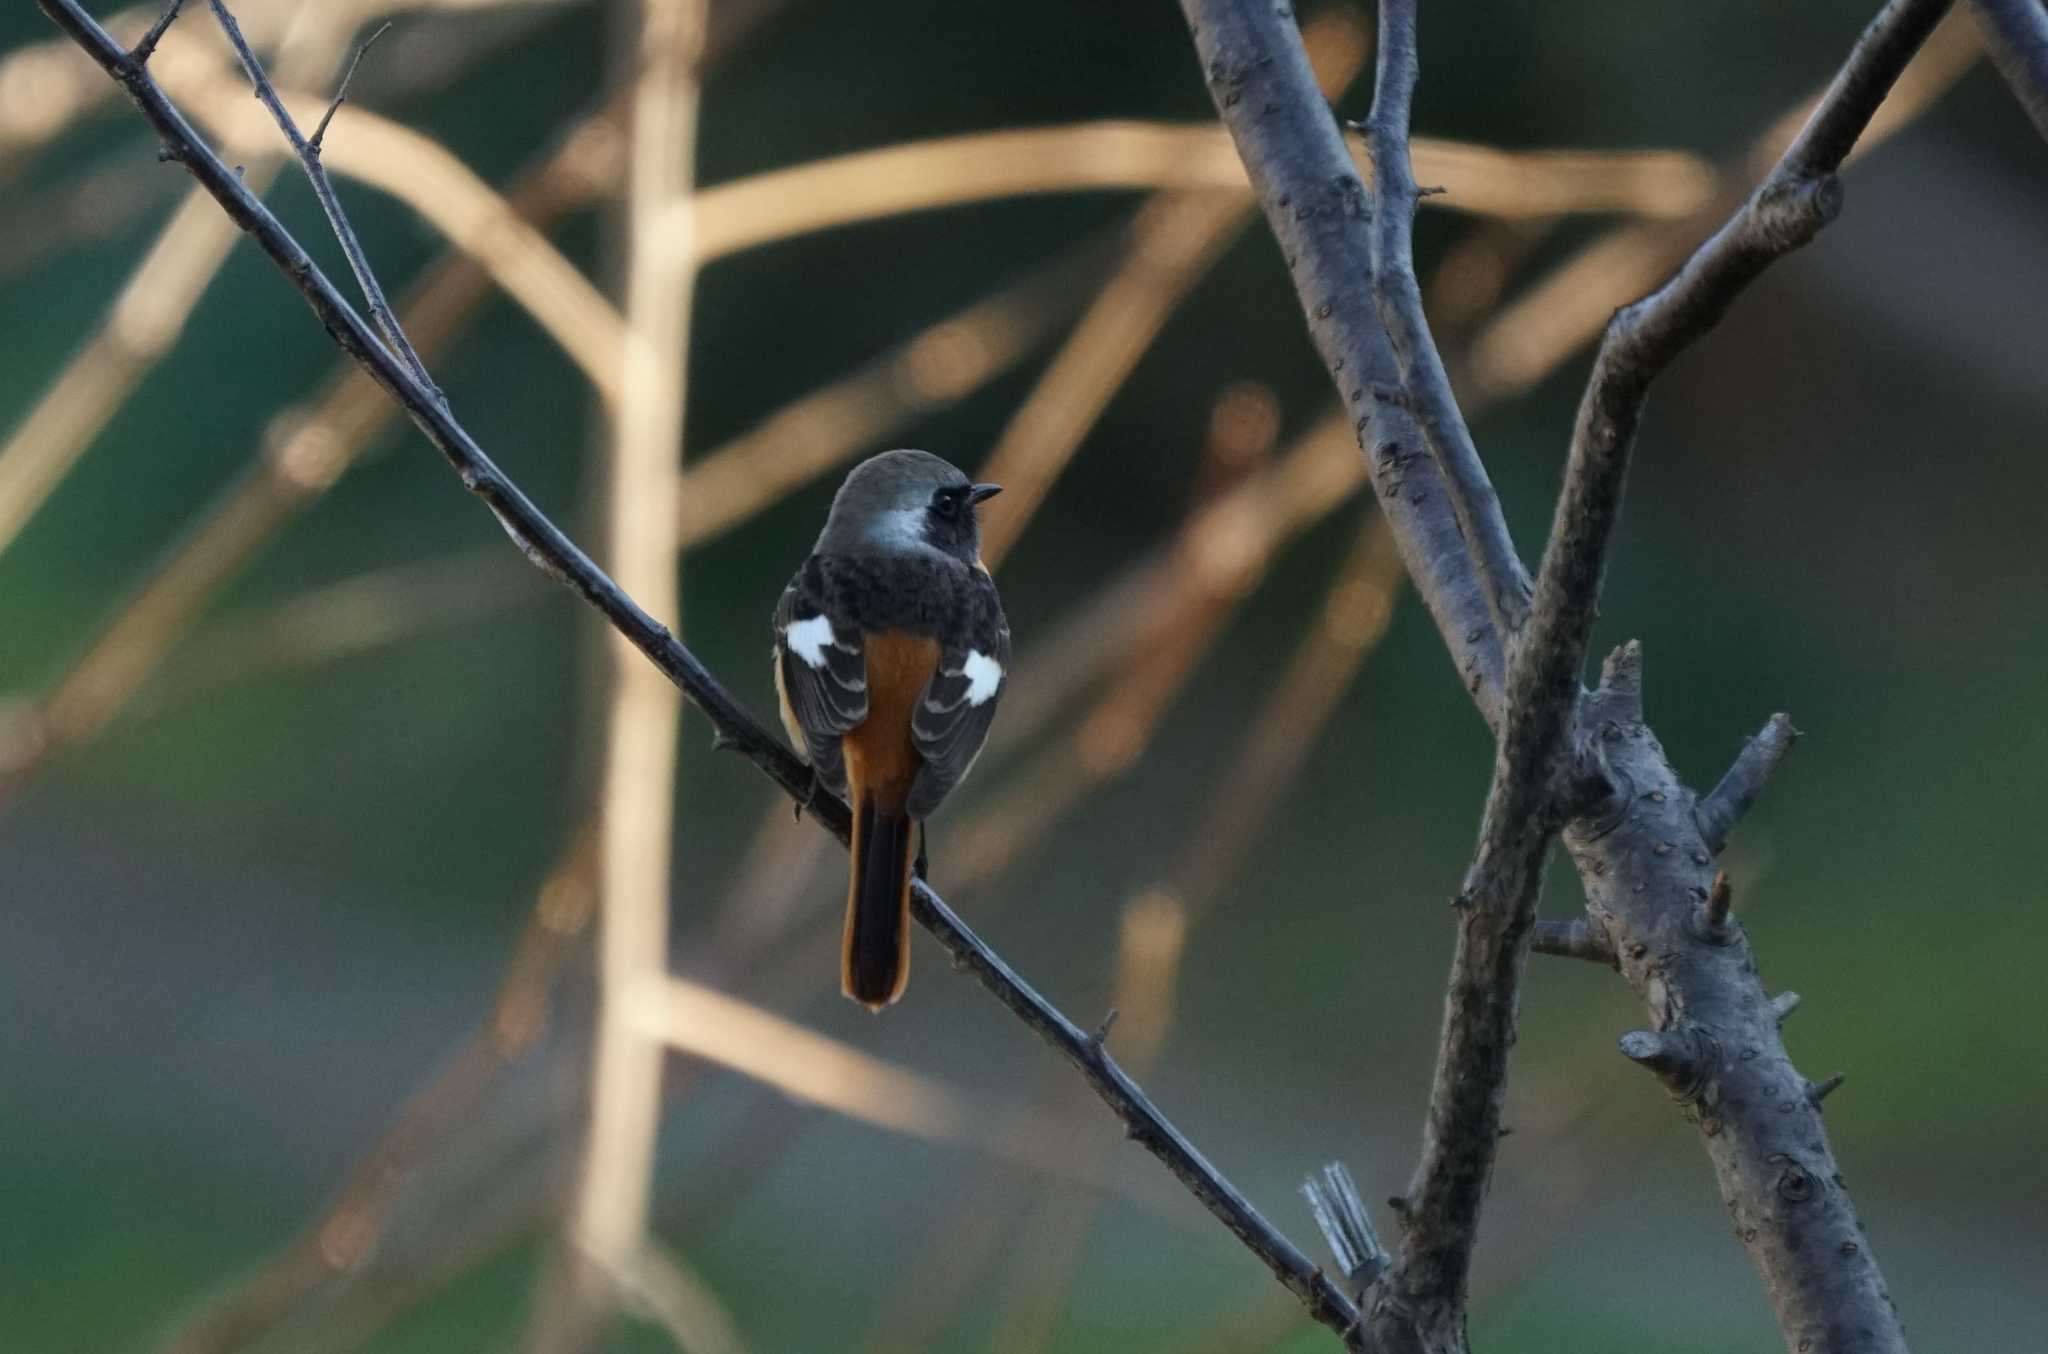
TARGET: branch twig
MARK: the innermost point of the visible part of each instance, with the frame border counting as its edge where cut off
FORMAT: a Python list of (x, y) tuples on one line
[(1577, 938), (2016, 31), (341, 91), (1426, 1288), (1727, 802), (549, 549), (1398, 298), (323, 189), (1304, 178)]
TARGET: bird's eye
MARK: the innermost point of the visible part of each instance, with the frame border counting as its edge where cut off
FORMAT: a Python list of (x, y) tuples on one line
[(946, 503)]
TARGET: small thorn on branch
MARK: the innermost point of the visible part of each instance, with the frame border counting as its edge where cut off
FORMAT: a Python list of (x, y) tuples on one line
[(1710, 920), (145, 49), (1817, 1091), (1783, 1005), (1100, 1035), (341, 94), (1717, 814), (1339, 1211)]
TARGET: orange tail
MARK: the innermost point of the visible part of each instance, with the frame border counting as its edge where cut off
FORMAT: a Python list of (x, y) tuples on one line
[(875, 952)]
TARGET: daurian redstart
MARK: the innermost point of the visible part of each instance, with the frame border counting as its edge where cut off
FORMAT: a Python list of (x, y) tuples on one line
[(890, 652)]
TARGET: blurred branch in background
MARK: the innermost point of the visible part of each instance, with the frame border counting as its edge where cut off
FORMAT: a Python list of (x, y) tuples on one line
[(305, 451), (151, 310), (1151, 940), (678, 1299), (938, 366), (43, 94), (1170, 244), (605, 1236), (1161, 629), (348, 1231), (426, 177), (372, 609), (1288, 723), (107, 198), (1558, 315), (978, 166), (1174, 239)]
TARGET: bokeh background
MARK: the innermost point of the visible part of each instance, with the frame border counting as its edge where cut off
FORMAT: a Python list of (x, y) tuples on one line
[(267, 852)]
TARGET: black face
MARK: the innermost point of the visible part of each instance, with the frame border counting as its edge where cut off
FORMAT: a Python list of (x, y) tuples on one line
[(949, 521)]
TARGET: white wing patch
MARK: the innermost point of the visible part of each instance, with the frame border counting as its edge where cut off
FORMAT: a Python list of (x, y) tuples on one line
[(983, 675), (807, 639)]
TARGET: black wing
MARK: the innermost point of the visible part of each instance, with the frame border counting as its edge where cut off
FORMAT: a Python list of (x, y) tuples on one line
[(821, 672), (951, 719)]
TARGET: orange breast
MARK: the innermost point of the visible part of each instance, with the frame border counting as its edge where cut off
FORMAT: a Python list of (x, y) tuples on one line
[(881, 760)]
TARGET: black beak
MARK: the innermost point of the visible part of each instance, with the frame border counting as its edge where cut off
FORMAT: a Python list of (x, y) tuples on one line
[(982, 492)]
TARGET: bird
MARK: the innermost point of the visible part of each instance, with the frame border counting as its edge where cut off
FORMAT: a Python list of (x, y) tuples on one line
[(891, 651)]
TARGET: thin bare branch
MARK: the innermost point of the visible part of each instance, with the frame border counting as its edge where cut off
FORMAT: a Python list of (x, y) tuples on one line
[(1398, 298), (1725, 805), (309, 159), (2016, 32), (341, 92), (549, 549), (451, 198), (1308, 186)]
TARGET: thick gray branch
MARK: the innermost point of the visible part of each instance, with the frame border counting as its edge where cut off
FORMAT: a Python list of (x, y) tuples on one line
[(1715, 1047), (548, 548), (2016, 32), (1398, 298), (1294, 153)]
